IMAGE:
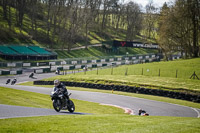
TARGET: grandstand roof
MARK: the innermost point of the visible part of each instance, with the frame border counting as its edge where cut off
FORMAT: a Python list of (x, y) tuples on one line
[(24, 50), (7, 51), (39, 50)]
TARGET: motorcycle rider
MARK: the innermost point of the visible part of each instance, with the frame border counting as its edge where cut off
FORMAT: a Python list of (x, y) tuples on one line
[(143, 113), (61, 87), (14, 81), (8, 81), (58, 71), (31, 75)]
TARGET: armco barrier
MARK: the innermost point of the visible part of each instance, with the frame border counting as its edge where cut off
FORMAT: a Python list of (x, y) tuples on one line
[(10, 72), (132, 89), (5, 72), (75, 61)]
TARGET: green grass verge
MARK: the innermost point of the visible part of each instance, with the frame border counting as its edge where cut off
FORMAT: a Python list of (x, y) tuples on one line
[(150, 97), (178, 68), (31, 99), (171, 84), (101, 124), (148, 77)]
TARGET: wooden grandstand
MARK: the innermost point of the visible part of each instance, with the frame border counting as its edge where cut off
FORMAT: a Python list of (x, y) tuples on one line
[(15, 52)]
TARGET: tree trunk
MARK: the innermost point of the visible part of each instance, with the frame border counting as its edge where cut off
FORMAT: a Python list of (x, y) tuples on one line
[(4, 5)]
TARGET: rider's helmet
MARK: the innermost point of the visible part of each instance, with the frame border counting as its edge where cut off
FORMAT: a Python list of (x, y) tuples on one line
[(56, 82)]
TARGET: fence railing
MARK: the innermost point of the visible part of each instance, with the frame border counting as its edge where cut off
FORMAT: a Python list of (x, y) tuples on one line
[(159, 72)]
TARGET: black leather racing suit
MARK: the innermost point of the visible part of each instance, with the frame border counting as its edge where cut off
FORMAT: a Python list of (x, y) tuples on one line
[(63, 89)]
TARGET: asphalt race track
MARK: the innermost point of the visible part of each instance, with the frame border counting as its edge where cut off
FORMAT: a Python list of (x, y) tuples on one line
[(154, 108), (8, 111)]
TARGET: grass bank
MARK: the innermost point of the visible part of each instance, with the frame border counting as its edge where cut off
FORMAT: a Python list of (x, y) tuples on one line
[(101, 124), (145, 75)]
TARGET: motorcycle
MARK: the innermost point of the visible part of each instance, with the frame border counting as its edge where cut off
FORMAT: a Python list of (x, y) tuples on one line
[(60, 102), (57, 72), (14, 81), (8, 81), (31, 75)]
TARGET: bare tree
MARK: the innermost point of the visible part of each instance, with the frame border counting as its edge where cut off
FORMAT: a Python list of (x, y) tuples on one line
[(6, 4), (133, 15), (34, 7), (21, 7), (150, 19)]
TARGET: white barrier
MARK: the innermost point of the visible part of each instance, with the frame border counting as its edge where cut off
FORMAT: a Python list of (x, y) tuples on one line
[(78, 66), (53, 69), (126, 58), (119, 59), (11, 64), (63, 63), (118, 63), (52, 63), (103, 60), (13, 72), (111, 59), (74, 62), (66, 67), (89, 65), (94, 61), (84, 61), (39, 71), (133, 58), (26, 64), (99, 65)]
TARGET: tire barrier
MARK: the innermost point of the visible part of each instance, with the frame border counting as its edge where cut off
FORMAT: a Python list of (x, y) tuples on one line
[(131, 89)]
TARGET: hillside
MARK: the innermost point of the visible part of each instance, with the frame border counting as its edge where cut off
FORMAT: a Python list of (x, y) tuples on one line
[(45, 29), (25, 36), (38, 28), (13, 35)]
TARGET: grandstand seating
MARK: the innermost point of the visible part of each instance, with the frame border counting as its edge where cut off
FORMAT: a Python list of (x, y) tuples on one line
[(7, 51), (39, 50), (14, 52), (23, 50)]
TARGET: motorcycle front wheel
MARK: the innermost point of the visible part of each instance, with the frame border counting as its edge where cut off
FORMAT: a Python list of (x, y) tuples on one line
[(71, 107), (57, 105)]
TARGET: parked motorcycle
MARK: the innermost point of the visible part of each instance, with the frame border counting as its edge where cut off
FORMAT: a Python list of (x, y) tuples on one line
[(60, 102), (14, 81)]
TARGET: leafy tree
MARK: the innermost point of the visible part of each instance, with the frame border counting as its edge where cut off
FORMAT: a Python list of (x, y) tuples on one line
[(178, 28)]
